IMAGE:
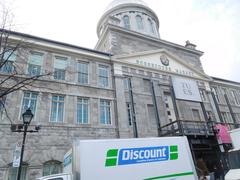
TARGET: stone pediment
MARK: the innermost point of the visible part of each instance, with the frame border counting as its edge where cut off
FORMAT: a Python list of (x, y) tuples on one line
[(162, 60)]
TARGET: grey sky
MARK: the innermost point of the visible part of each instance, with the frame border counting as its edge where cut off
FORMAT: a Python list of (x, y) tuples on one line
[(212, 25)]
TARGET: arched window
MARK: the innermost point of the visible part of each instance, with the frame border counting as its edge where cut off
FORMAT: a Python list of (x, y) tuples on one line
[(12, 172), (52, 167), (139, 22), (126, 21), (151, 27)]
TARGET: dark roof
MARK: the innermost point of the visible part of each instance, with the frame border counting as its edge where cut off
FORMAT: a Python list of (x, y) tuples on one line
[(54, 42), (225, 80)]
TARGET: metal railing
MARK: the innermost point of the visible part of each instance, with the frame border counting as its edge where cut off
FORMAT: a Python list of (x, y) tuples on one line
[(189, 127)]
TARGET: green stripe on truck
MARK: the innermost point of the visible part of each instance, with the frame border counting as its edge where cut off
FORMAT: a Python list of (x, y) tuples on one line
[(170, 175)]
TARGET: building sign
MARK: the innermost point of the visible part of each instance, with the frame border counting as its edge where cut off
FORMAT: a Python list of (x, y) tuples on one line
[(165, 66), (186, 89), (17, 155)]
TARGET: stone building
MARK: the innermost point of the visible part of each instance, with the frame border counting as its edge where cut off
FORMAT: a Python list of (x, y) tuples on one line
[(134, 84)]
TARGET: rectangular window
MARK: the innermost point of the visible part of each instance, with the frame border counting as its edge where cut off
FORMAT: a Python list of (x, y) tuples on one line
[(224, 91), (103, 75), (105, 112), (59, 74), (151, 115), (2, 105), (227, 118), (237, 116), (34, 70), (196, 115), (57, 108), (235, 97), (12, 173), (170, 112), (129, 113), (203, 94), (125, 83), (29, 101), (214, 90), (82, 110), (146, 85), (8, 59), (35, 63), (7, 67), (9, 55), (210, 116), (82, 72), (60, 64)]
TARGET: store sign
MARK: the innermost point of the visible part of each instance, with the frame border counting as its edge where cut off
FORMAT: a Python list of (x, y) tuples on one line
[(186, 89), (17, 155)]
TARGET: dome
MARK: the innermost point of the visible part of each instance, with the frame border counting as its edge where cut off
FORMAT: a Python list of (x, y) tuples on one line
[(116, 3), (131, 15)]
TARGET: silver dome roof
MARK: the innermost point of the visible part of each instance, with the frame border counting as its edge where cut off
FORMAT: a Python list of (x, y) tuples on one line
[(116, 3)]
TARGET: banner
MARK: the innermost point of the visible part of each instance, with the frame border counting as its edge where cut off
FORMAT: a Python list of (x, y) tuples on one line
[(186, 89), (222, 134)]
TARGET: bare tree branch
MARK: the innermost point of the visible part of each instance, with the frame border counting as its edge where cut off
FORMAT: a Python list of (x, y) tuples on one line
[(13, 75)]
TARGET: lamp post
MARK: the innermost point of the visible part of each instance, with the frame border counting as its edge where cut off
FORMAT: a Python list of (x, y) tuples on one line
[(27, 117)]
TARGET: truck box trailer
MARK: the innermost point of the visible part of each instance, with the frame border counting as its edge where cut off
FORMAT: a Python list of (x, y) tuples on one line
[(234, 156), (167, 158)]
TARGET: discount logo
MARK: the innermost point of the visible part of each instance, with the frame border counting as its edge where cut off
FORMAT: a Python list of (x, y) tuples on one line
[(127, 156)]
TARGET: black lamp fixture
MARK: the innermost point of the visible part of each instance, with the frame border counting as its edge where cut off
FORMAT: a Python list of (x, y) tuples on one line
[(27, 116)]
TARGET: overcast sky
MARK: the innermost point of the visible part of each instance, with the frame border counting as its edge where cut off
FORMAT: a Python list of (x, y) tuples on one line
[(213, 25)]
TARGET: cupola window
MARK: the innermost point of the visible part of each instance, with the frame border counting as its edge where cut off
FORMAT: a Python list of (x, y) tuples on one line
[(126, 22), (139, 22), (151, 27)]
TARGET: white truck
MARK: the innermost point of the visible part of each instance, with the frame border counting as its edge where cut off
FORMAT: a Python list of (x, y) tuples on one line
[(234, 156), (167, 158)]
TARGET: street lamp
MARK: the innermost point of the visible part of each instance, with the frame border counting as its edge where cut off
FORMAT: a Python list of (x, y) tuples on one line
[(27, 117)]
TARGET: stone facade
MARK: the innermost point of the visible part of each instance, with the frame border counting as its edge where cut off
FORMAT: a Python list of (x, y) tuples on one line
[(147, 89), (55, 138), (120, 41)]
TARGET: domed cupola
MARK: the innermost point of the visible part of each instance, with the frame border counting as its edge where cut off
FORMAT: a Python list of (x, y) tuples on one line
[(134, 15)]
